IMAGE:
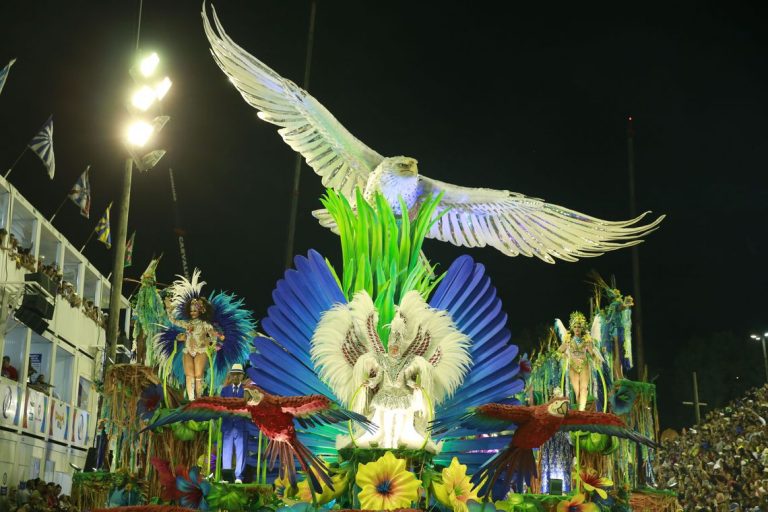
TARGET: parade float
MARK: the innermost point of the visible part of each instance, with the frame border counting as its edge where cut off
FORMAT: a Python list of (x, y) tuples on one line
[(384, 382)]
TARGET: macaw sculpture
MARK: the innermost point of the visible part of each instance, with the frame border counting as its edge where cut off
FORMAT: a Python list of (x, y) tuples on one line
[(274, 415), (535, 425)]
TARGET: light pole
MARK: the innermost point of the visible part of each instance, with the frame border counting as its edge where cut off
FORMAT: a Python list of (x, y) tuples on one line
[(148, 93), (765, 356)]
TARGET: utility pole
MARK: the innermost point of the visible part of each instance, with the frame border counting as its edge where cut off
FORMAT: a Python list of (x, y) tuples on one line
[(696, 404), (297, 168), (179, 232), (638, 307), (116, 291)]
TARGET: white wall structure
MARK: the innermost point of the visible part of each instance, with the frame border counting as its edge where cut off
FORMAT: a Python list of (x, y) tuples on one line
[(41, 432)]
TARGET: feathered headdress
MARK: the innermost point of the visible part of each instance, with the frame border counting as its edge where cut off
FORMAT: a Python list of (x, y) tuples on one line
[(577, 318), (187, 294)]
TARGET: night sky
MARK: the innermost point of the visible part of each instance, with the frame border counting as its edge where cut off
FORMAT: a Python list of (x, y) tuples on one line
[(532, 99)]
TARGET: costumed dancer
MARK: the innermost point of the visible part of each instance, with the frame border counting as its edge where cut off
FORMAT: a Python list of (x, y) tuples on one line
[(581, 356), (199, 335), (395, 385), (149, 314), (216, 329), (614, 326), (234, 430)]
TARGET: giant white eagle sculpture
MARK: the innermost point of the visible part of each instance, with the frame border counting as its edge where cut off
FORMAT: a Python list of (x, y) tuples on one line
[(513, 223)]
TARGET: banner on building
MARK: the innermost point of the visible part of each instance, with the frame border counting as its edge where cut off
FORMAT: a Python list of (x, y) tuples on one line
[(34, 415), (80, 427), (59, 420), (9, 394)]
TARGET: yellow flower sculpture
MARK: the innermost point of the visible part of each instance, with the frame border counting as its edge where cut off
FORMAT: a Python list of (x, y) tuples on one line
[(386, 484), (285, 492), (594, 483), (327, 494), (456, 488), (577, 504)]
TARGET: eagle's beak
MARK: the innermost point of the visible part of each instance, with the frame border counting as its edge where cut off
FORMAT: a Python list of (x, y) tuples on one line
[(408, 167)]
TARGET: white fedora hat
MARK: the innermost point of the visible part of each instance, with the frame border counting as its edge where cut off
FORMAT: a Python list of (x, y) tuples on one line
[(236, 368)]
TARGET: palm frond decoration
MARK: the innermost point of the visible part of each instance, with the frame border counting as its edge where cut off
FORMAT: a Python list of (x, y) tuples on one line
[(381, 252)]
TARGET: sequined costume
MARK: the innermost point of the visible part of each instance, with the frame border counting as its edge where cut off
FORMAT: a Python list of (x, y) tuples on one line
[(198, 335), (580, 352)]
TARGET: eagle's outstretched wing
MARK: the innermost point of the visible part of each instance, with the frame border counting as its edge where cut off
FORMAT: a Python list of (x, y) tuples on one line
[(341, 160), (519, 225)]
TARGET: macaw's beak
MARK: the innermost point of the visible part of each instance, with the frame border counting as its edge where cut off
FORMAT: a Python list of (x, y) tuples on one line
[(253, 396), (563, 408)]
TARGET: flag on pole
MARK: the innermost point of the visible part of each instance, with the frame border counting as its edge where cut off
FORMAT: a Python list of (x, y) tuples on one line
[(4, 74), (81, 193), (103, 232), (129, 251), (42, 145)]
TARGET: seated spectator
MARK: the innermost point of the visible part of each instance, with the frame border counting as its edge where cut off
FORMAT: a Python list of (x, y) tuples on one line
[(22, 495), (9, 372), (720, 464), (40, 385)]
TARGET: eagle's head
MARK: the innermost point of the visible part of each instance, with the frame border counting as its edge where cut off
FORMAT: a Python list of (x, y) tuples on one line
[(558, 407), (404, 166)]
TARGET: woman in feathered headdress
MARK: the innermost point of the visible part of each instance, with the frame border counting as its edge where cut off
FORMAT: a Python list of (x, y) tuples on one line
[(580, 355), (199, 328)]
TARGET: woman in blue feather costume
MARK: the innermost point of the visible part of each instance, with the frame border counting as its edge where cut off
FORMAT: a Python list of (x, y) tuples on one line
[(202, 332)]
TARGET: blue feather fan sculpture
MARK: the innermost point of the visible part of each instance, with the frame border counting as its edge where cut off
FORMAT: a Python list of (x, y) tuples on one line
[(287, 360)]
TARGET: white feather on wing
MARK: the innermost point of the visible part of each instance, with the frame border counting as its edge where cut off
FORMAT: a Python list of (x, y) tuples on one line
[(341, 160), (519, 225), (447, 353), (596, 330), (341, 343), (560, 329)]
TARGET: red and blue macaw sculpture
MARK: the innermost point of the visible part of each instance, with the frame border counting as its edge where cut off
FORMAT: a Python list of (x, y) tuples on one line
[(535, 425), (274, 415)]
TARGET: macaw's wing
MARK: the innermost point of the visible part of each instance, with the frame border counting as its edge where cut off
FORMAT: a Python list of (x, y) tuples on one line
[(313, 410), (204, 409), (603, 423), (485, 418)]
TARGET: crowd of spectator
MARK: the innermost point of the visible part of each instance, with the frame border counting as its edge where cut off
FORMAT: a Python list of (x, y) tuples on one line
[(36, 496), (722, 464)]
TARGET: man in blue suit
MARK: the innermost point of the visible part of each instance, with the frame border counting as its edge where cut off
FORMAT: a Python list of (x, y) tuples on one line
[(234, 431)]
